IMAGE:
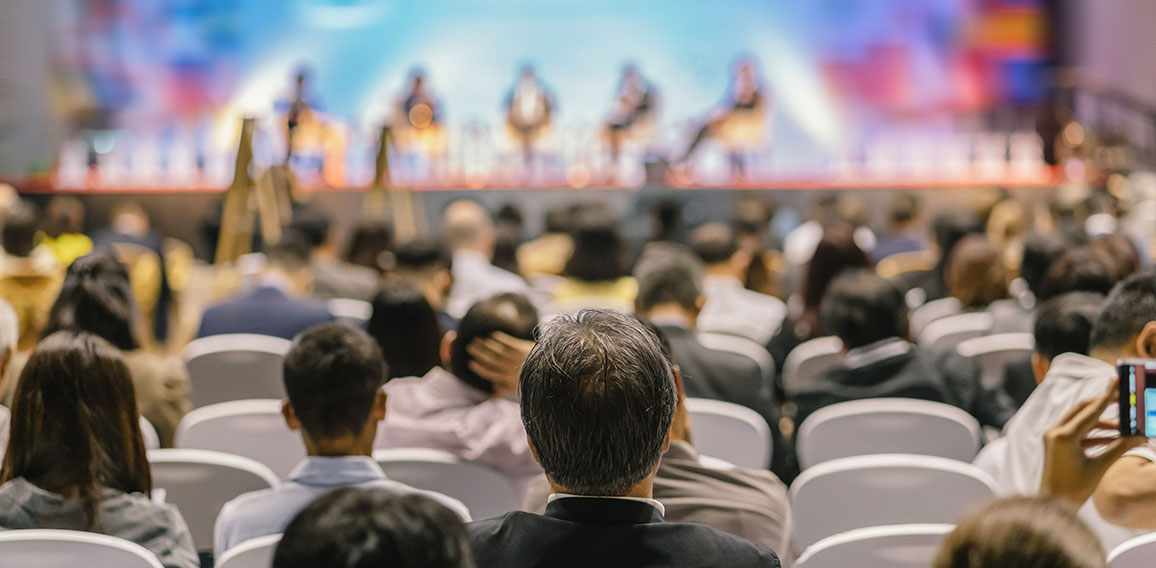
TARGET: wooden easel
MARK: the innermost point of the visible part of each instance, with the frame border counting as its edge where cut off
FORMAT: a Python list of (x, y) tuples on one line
[(243, 205), (406, 213)]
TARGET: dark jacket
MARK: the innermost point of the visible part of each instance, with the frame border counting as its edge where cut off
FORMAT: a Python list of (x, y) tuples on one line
[(266, 311)]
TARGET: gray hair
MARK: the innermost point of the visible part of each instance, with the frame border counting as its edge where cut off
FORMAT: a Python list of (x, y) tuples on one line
[(668, 273)]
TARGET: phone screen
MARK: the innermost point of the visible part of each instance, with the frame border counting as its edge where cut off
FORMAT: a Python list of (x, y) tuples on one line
[(1137, 397)]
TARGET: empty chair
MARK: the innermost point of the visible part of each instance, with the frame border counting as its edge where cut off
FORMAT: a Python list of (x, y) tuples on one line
[(893, 546), (149, 434), (923, 315), (730, 432), (947, 333), (46, 548), (1135, 553), (810, 359), (200, 482), (484, 491), (887, 426), (888, 489), (350, 311), (251, 428), (235, 367), (253, 553), (994, 352)]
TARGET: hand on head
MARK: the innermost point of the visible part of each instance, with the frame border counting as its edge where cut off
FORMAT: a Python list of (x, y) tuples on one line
[(499, 359)]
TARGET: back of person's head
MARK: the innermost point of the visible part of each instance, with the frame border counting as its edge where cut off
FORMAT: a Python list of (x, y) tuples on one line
[(65, 214), (466, 224), (714, 243), (332, 374), (975, 273), (597, 384), (129, 218), (74, 427), (559, 220), (599, 254), (96, 297), (18, 236), (312, 225), (950, 227), (1039, 253), (289, 255), (373, 528), (1025, 532), (835, 253), (1129, 308), (368, 241), (511, 314), (406, 328), (903, 209), (862, 307), (668, 274), (1082, 269), (1064, 323), (666, 214), (422, 255), (1121, 251)]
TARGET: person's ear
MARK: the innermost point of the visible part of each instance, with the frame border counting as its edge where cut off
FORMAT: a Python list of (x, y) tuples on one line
[(666, 442), (1146, 341), (533, 452), (378, 412), (699, 303), (741, 260), (290, 416), (447, 347), (1040, 366)]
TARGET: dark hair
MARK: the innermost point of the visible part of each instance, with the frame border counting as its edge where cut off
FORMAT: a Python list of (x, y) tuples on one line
[(96, 297), (506, 241), (714, 243), (949, 228), (1130, 306), (599, 253), (312, 225), (290, 254), (1121, 251), (668, 274), (74, 426), (1064, 323), (368, 240), (862, 307), (559, 220), (65, 214), (406, 328), (373, 528), (598, 398), (903, 208), (975, 273), (1083, 269), (835, 253), (18, 236), (667, 214), (422, 254), (332, 375), (1025, 532), (1039, 253), (511, 314)]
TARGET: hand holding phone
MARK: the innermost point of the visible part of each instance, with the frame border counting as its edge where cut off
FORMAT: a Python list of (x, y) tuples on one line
[(1137, 397)]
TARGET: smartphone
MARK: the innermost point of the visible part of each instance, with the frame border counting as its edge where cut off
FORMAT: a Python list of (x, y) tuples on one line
[(1137, 397)]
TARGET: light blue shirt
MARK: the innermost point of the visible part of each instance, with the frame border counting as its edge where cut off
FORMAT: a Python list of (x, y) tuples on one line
[(266, 512)]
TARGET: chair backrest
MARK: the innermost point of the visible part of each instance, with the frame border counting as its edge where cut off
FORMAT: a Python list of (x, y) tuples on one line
[(923, 315), (994, 352), (46, 548), (947, 333), (810, 359), (251, 428), (235, 367), (253, 553), (888, 489), (200, 482), (887, 426), (350, 311), (892, 546), (741, 346), (484, 491), (1135, 553), (148, 433), (730, 432)]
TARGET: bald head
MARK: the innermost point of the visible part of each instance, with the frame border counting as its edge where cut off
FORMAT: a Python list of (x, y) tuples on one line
[(467, 226)]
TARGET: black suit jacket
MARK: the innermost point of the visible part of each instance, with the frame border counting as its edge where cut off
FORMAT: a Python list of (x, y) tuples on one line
[(604, 533), (265, 311)]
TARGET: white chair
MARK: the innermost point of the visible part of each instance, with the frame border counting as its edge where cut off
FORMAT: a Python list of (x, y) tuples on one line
[(729, 432), (994, 352), (810, 359), (1135, 553), (350, 311), (894, 546), (253, 553), (484, 491), (235, 367), (947, 333), (200, 482), (741, 346), (887, 426), (46, 548), (888, 489), (931, 311), (251, 428), (152, 441)]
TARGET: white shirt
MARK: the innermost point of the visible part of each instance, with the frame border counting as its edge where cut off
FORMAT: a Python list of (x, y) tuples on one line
[(652, 502), (733, 310), (5, 418), (475, 279), (1020, 465)]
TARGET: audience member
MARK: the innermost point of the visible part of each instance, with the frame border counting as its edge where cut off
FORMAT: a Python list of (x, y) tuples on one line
[(547, 254), (1006, 228), (97, 298), (869, 314), (276, 305), (1025, 532), (1122, 252), (460, 406), (427, 264), (76, 459), (1062, 325), (948, 229), (333, 376), (470, 233), (904, 232), (30, 275), (597, 384), (598, 272), (407, 330), (9, 334), (332, 277), (509, 227), (1039, 252), (367, 244), (372, 528), (129, 224), (730, 308), (63, 228), (1082, 269), (977, 276)]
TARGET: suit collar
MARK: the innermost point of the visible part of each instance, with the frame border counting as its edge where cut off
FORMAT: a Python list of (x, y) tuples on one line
[(604, 511)]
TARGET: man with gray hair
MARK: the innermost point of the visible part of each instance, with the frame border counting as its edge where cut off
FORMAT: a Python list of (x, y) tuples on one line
[(469, 232), (598, 401), (9, 334)]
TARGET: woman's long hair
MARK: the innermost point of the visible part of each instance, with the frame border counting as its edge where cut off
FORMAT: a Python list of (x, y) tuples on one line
[(96, 297), (407, 329)]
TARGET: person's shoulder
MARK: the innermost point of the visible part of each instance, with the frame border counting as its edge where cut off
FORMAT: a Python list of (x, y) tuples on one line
[(400, 488), (727, 549)]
